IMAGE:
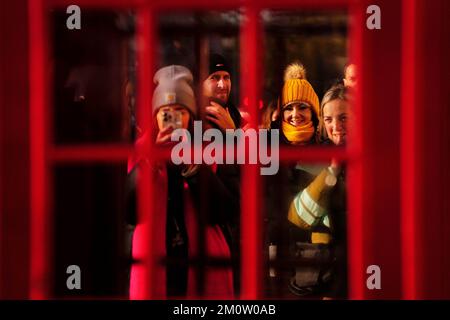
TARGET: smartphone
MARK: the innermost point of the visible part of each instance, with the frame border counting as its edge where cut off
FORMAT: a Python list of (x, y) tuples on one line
[(172, 118)]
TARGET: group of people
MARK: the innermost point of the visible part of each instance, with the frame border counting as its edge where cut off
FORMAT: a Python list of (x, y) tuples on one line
[(306, 214), (198, 205)]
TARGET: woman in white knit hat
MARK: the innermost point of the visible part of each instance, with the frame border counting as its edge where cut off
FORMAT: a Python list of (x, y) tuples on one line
[(181, 207)]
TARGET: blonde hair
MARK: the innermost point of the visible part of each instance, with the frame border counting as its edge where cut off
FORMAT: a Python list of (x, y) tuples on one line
[(336, 92)]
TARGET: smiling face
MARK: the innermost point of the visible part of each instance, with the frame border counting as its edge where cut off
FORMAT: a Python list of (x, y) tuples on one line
[(297, 114), (218, 85), (336, 115)]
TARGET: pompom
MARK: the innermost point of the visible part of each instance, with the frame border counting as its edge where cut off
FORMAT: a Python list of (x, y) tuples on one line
[(294, 71)]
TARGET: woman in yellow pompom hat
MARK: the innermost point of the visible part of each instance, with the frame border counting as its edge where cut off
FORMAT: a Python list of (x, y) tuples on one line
[(298, 122), (298, 108)]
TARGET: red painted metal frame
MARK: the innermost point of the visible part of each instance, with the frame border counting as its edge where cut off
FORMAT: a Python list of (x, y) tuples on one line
[(251, 235), (355, 229), (42, 155), (1, 200), (145, 58), (412, 143), (204, 4), (89, 153), (40, 269)]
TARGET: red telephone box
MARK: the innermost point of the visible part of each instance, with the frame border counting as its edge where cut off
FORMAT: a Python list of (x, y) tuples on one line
[(398, 204)]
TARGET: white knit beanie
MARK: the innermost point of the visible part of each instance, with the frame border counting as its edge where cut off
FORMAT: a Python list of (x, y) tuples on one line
[(173, 86)]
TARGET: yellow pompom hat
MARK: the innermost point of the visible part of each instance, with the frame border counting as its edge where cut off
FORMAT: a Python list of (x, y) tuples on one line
[(297, 89)]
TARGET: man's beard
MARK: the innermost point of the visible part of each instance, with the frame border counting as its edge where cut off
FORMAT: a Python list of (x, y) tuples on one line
[(223, 96)]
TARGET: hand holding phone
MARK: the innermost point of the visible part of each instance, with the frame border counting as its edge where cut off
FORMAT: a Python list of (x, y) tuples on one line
[(172, 118)]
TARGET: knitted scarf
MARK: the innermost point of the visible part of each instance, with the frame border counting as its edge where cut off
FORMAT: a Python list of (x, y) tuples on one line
[(298, 134)]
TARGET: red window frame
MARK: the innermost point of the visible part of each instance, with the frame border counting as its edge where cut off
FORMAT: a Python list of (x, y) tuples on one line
[(44, 155)]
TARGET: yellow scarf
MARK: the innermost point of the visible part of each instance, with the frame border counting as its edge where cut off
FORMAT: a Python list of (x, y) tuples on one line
[(298, 135)]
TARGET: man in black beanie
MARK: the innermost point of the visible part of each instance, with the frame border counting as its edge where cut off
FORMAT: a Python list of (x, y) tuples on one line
[(217, 87), (222, 114)]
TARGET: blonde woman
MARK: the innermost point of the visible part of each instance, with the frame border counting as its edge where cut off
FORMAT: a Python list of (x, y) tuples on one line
[(320, 208)]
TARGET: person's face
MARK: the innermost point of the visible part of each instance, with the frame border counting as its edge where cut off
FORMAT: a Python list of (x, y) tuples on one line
[(174, 107), (297, 114), (350, 76), (218, 85), (335, 117)]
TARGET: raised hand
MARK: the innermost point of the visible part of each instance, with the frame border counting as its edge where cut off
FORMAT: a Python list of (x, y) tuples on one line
[(163, 137), (219, 116)]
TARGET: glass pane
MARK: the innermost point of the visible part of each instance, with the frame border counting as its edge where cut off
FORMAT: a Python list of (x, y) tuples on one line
[(90, 230), (94, 71), (189, 38), (305, 231), (307, 76), (197, 68)]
